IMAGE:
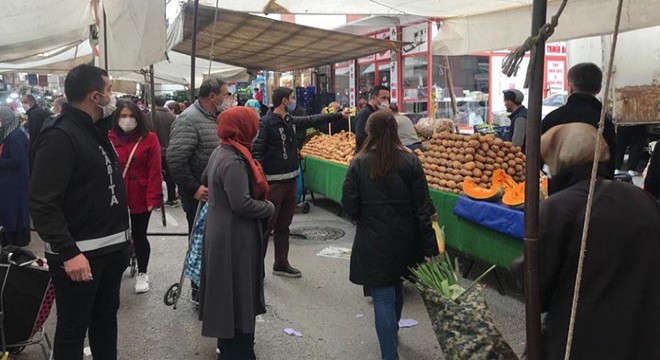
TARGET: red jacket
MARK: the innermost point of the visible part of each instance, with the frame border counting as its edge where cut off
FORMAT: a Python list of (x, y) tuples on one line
[(144, 177)]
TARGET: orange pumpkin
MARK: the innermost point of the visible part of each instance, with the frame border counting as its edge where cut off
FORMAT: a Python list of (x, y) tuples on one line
[(504, 180), (515, 197), (476, 192)]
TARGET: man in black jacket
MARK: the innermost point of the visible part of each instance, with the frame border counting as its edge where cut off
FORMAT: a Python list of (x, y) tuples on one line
[(79, 208), (379, 99), (584, 82), (163, 119), (275, 148), (36, 116), (513, 99)]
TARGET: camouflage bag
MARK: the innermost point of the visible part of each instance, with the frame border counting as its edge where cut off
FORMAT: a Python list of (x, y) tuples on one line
[(465, 328)]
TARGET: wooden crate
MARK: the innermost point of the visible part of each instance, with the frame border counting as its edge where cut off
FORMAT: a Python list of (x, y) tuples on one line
[(636, 105)]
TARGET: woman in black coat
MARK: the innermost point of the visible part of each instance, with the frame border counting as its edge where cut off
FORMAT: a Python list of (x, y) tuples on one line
[(386, 194)]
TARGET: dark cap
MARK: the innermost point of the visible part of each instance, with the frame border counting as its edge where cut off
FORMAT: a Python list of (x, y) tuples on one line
[(514, 95)]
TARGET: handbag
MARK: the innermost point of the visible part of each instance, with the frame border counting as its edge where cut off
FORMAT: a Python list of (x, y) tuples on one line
[(130, 158)]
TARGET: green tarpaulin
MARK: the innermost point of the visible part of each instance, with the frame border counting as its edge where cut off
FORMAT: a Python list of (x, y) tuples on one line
[(326, 178)]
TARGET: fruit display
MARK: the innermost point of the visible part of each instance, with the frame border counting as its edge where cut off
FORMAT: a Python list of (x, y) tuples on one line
[(337, 148), (449, 158), (503, 188)]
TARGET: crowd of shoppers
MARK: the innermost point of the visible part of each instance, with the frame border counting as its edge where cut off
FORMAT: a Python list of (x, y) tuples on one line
[(97, 174)]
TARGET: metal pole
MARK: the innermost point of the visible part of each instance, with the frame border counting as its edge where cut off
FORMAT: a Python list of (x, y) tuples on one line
[(152, 114), (533, 142), (193, 52), (105, 42)]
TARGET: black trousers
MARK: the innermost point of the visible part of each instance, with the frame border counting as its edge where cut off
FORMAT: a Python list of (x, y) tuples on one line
[(632, 137), (169, 181), (240, 347), (139, 225), (88, 306)]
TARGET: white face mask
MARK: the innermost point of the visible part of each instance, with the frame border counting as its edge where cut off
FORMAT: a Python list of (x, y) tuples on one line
[(108, 108), (384, 105), (127, 124)]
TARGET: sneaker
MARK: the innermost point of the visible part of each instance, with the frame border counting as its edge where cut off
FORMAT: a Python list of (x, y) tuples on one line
[(141, 283), (173, 203), (286, 271), (633, 173), (618, 172)]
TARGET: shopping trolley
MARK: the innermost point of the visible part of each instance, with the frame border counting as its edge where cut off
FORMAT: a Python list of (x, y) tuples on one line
[(193, 261), (26, 298)]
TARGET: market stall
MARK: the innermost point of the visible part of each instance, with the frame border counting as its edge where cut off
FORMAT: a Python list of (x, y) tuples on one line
[(325, 165)]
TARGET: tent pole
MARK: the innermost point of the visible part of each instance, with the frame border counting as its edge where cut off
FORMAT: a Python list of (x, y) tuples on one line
[(193, 52), (105, 42), (533, 140)]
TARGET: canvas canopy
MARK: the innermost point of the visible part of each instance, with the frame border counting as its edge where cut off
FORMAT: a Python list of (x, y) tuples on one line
[(256, 42), (41, 33), (509, 28)]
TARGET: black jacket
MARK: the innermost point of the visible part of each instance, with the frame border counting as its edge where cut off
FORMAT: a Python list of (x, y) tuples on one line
[(586, 109), (275, 146), (77, 196), (652, 179), (393, 216), (360, 125), (519, 115), (618, 315), (36, 118)]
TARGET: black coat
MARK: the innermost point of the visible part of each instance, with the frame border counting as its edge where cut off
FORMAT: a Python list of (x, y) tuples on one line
[(275, 147), (361, 124), (618, 314), (77, 196), (393, 216), (652, 180), (586, 109), (36, 118)]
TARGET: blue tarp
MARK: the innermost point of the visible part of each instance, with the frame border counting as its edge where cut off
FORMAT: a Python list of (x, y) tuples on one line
[(494, 216)]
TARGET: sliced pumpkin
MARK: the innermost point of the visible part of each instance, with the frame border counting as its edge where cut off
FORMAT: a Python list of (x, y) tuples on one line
[(476, 192), (503, 180), (515, 197)]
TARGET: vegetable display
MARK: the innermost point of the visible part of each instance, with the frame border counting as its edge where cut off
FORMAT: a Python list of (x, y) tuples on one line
[(337, 148)]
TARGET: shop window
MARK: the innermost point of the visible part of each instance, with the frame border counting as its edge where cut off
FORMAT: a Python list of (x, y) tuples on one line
[(415, 84), (366, 79), (342, 85), (470, 75)]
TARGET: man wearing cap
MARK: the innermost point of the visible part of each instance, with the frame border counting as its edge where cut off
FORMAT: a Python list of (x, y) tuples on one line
[(513, 99)]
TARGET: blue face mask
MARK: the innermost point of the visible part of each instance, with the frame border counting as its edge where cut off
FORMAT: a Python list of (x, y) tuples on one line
[(291, 106)]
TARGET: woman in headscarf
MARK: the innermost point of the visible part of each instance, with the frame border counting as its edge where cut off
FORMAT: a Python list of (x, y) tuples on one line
[(254, 104), (232, 292), (14, 181)]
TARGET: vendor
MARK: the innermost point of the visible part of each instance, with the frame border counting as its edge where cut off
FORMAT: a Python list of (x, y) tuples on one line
[(407, 132), (513, 99)]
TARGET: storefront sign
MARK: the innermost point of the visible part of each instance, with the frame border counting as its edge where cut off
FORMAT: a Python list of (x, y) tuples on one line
[(415, 39), (351, 83), (556, 73), (394, 69)]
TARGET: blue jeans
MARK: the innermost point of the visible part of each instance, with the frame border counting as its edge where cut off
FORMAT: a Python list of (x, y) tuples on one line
[(388, 303)]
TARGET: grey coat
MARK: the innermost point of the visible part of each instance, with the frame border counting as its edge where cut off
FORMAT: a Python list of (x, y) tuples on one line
[(192, 140), (232, 288)]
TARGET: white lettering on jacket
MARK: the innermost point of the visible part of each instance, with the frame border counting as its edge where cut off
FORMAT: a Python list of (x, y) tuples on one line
[(285, 154), (113, 197)]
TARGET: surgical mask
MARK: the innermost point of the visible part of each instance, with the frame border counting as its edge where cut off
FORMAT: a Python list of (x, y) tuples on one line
[(127, 124), (108, 108), (384, 105), (291, 106), (226, 104)]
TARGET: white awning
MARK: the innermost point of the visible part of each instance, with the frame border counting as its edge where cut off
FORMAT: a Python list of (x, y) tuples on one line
[(34, 32), (510, 28)]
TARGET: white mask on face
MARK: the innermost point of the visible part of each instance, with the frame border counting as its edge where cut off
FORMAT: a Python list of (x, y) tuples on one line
[(108, 108), (384, 105), (127, 124)]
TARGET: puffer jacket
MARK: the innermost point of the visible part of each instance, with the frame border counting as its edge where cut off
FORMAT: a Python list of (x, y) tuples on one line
[(393, 216), (275, 146), (193, 138)]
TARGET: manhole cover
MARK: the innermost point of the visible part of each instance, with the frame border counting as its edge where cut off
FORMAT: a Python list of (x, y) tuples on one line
[(317, 233)]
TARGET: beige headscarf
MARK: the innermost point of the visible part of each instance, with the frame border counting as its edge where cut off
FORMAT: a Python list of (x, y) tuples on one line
[(567, 145)]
